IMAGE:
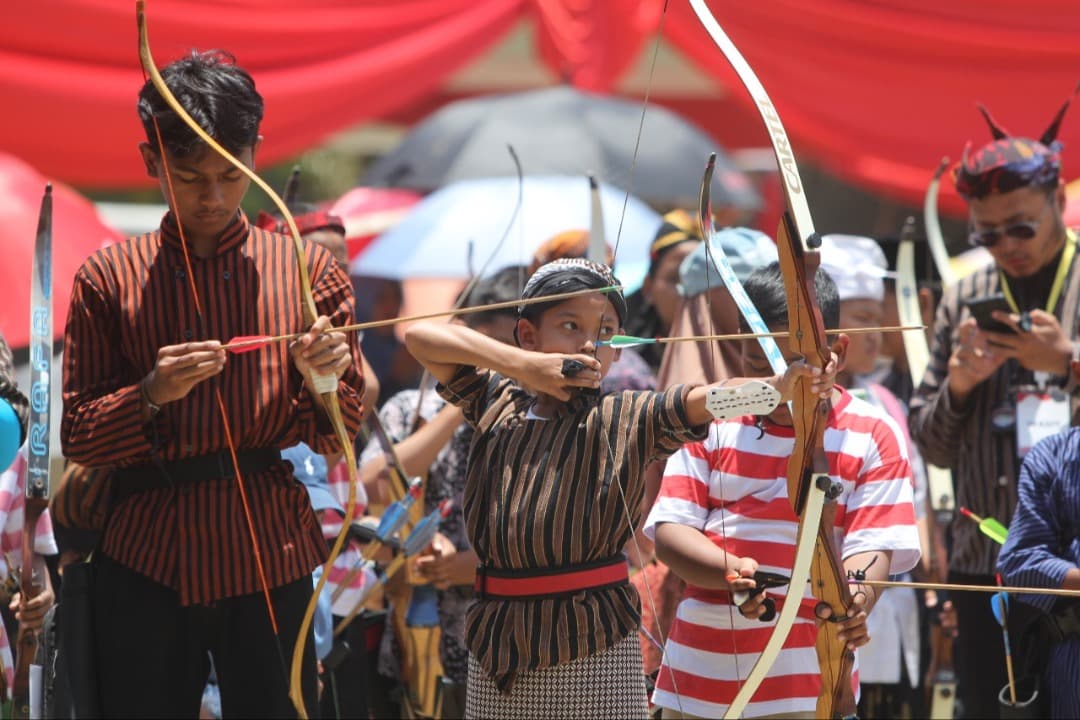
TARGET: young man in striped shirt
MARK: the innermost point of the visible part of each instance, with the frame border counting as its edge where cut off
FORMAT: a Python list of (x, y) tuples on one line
[(724, 509), (555, 480), (145, 376)]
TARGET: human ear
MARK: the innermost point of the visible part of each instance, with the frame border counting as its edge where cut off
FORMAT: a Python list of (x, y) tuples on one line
[(151, 159), (840, 348), (1059, 195), (527, 335)]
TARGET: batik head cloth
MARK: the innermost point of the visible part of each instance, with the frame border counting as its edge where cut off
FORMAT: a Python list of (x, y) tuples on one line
[(678, 227), (1007, 163), (570, 275)]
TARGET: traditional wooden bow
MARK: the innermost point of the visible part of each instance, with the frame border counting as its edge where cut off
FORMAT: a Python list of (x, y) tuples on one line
[(325, 385), (941, 677), (809, 484)]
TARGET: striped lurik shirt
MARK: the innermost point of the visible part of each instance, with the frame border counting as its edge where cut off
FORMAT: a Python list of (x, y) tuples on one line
[(1043, 545), (541, 494), (133, 298), (983, 461)]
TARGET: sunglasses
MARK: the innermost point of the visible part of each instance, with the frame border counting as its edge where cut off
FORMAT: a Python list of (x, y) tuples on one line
[(989, 237)]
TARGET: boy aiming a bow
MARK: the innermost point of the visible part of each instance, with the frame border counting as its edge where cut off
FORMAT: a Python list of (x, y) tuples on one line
[(553, 490)]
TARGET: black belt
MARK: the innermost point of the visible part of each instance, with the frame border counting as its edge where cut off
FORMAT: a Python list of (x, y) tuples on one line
[(128, 481)]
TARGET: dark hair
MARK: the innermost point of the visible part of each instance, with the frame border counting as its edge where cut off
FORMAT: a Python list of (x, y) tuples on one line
[(218, 94), (926, 275), (765, 287), (503, 286)]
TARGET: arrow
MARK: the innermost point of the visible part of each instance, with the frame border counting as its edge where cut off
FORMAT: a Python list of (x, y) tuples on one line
[(418, 539), (248, 343), (990, 527), (393, 518), (999, 603), (967, 588), (628, 341)]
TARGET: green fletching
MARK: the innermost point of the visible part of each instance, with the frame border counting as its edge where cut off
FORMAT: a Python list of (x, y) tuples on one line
[(626, 341), (994, 530)]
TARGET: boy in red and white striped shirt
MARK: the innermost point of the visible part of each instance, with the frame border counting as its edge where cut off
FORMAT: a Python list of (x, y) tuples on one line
[(723, 508)]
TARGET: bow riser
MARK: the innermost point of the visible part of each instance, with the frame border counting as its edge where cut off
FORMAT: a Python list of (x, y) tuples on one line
[(829, 585), (809, 468), (806, 337)]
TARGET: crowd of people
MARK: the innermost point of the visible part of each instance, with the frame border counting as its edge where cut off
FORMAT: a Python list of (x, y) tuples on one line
[(617, 526)]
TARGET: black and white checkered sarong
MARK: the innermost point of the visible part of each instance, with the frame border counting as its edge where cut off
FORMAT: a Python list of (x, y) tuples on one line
[(609, 684)]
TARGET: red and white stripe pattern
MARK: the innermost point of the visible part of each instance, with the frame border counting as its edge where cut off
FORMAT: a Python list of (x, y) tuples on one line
[(12, 512), (338, 482), (733, 487)]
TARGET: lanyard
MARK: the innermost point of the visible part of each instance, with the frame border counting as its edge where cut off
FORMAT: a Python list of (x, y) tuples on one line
[(1059, 277)]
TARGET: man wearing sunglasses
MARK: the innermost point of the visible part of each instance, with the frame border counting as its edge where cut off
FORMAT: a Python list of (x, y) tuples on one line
[(988, 396)]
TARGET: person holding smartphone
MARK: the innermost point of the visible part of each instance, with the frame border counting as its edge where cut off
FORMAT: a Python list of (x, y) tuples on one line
[(990, 393)]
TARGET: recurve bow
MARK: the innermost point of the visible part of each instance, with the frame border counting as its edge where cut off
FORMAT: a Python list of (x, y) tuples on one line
[(809, 484), (27, 687), (941, 678), (325, 385)]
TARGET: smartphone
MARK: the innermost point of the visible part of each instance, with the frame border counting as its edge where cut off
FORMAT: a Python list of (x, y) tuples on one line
[(982, 308)]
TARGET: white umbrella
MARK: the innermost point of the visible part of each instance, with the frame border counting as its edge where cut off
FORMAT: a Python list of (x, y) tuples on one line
[(437, 236)]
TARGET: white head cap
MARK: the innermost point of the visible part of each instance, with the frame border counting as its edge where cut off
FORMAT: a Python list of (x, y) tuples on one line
[(856, 264)]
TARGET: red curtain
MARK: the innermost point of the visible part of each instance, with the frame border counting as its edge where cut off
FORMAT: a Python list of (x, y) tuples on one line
[(69, 69), (877, 92)]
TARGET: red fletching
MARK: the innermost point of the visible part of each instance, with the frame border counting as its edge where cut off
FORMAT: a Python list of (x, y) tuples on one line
[(248, 343)]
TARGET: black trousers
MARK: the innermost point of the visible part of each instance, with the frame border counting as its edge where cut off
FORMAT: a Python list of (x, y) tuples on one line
[(152, 654), (979, 650)]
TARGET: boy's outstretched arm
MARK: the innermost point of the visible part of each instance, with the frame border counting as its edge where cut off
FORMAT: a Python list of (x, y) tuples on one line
[(821, 381), (444, 347)]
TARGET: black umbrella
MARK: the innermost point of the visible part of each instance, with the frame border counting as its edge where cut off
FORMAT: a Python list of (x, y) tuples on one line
[(563, 131)]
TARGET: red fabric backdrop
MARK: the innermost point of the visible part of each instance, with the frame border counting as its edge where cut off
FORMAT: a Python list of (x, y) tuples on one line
[(875, 91)]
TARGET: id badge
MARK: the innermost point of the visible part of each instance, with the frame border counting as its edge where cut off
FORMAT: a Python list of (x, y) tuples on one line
[(1040, 415)]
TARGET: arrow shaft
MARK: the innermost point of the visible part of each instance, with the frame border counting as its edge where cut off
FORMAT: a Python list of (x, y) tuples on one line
[(970, 588), (631, 341), (253, 343)]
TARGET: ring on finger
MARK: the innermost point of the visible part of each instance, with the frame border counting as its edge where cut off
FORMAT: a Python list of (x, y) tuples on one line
[(571, 367)]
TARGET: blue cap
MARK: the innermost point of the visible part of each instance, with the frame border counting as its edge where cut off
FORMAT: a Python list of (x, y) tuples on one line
[(746, 249), (309, 467)]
